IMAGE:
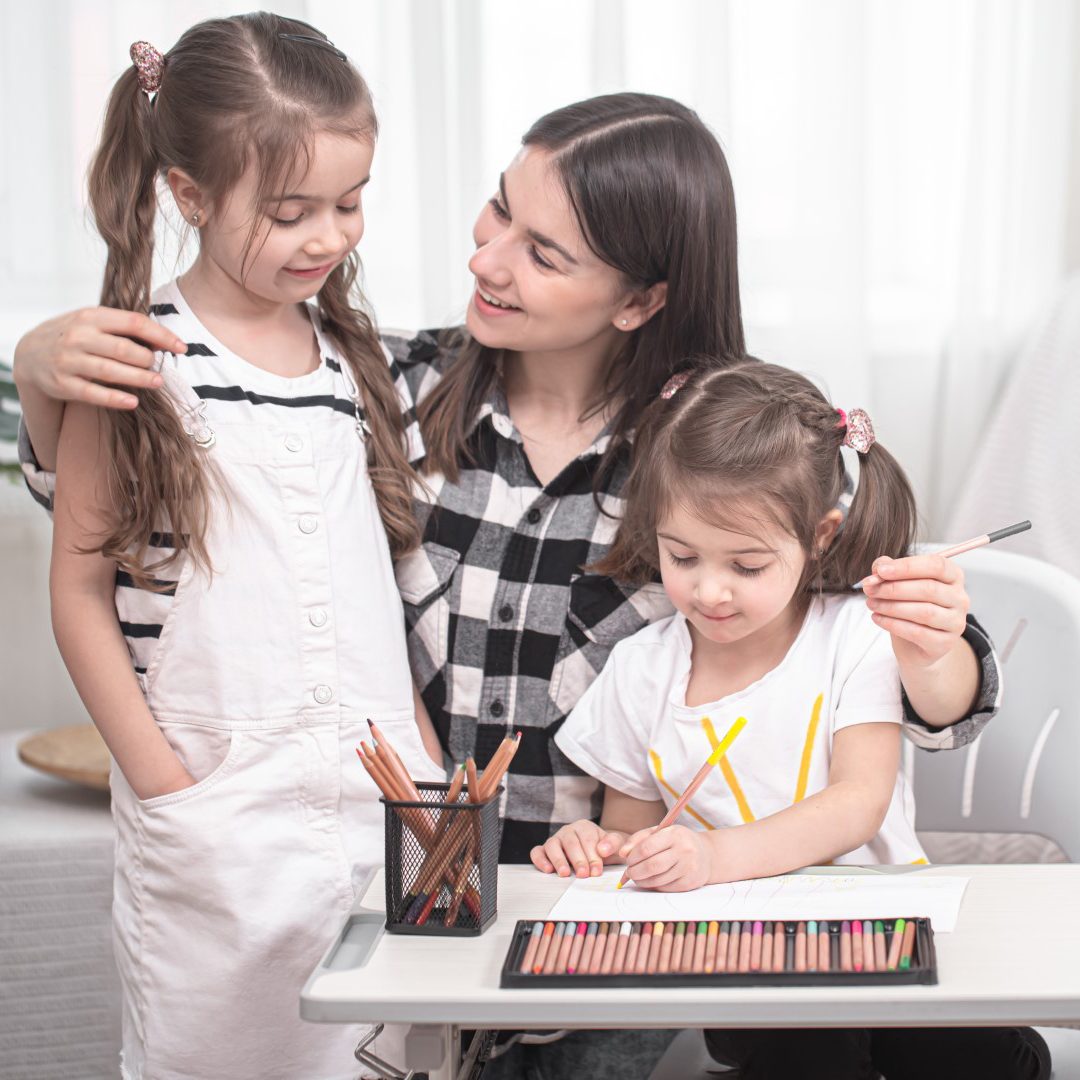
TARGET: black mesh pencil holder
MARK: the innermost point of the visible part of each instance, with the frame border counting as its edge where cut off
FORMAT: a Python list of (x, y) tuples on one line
[(442, 863)]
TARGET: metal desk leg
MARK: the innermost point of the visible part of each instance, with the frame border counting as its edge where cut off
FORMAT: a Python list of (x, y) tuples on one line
[(382, 1068)]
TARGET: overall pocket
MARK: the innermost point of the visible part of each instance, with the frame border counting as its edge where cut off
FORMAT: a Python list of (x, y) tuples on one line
[(209, 754)]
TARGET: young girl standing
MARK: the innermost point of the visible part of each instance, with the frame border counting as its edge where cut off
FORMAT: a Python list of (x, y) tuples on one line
[(222, 586), (732, 499)]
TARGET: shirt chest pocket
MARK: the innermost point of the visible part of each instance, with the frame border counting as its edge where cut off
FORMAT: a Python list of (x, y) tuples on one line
[(423, 578), (600, 614)]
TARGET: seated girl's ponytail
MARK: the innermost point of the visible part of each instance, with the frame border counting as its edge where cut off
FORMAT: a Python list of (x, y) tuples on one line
[(156, 480)]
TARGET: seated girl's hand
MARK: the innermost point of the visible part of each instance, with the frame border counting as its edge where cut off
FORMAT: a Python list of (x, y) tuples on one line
[(674, 859), (69, 357), (922, 603), (582, 844)]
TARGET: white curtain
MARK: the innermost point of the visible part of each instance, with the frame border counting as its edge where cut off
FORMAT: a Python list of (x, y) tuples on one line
[(900, 169)]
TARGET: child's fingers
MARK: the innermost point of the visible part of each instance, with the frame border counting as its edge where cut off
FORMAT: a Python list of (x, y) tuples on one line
[(931, 616), (634, 839), (649, 872), (918, 566), (608, 845), (580, 852), (541, 861), (933, 643), (553, 849)]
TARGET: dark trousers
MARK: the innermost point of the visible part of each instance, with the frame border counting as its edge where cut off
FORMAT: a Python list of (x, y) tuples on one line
[(895, 1053)]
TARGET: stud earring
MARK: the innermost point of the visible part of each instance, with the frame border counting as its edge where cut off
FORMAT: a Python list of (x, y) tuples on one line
[(195, 219), (625, 322)]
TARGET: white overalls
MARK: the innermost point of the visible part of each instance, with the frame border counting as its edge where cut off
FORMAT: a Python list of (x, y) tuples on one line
[(228, 893)]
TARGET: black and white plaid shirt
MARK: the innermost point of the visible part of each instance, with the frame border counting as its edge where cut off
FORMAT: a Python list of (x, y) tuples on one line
[(506, 631)]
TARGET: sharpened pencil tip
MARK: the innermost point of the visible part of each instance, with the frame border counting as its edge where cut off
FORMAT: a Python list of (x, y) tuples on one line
[(620, 885)]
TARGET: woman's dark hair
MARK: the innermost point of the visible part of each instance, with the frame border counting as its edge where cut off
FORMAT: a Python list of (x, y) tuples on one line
[(250, 90), (757, 443), (652, 194)]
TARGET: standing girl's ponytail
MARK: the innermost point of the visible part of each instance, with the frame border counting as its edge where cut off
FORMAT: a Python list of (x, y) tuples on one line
[(156, 480)]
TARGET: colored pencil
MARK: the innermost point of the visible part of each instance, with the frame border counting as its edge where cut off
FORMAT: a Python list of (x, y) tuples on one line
[(630, 963), (711, 945), (756, 944), (908, 946), (553, 948), (699, 778), (896, 944), (732, 963), (745, 946), (576, 948), (656, 945), (868, 946), (879, 945), (642, 961), (766, 948), (801, 959), (720, 961), (789, 948), (587, 951), (778, 947), (530, 950), (597, 955), (856, 945), (665, 948), (834, 946), (700, 941), (823, 947), (811, 945), (622, 946), (677, 946), (563, 956)]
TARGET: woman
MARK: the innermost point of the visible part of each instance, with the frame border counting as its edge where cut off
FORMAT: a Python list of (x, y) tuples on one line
[(606, 257)]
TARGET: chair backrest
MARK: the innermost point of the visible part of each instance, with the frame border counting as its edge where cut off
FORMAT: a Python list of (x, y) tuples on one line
[(1022, 775)]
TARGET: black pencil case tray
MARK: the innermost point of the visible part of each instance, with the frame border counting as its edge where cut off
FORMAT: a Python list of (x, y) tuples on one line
[(923, 970)]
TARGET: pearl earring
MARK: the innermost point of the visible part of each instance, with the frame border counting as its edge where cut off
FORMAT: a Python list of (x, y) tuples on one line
[(625, 322), (195, 219)]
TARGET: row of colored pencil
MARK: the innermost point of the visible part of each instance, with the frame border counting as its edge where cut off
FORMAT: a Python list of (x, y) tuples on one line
[(449, 838), (662, 948)]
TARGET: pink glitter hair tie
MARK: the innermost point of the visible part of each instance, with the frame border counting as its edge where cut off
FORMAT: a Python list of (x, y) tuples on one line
[(149, 66), (860, 431), (674, 385)]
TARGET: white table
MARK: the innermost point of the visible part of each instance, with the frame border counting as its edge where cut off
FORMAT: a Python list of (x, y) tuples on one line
[(1014, 958)]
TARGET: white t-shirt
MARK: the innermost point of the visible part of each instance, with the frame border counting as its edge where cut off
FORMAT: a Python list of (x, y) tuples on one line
[(633, 730)]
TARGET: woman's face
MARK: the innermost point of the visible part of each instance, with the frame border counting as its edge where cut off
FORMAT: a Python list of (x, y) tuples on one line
[(538, 286)]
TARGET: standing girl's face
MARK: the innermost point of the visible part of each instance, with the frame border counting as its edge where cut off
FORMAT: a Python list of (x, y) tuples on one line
[(298, 240), (729, 585), (539, 287)]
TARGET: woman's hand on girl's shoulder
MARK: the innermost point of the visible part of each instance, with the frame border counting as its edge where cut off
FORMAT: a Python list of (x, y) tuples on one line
[(581, 848), (922, 603), (673, 859), (82, 355)]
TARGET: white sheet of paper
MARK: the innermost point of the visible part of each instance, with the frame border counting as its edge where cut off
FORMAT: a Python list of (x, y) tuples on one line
[(790, 896)]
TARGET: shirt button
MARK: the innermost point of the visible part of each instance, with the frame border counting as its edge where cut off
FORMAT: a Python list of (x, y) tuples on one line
[(533, 516), (317, 617), (308, 523), (496, 708), (506, 613), (294, 443), (322, 694)]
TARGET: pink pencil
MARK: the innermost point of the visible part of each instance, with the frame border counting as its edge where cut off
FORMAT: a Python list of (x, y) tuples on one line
[(959, 549)]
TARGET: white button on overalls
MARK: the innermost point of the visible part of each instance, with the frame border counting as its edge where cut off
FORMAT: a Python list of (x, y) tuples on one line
[(317, 617), (294, 443), (308, 523), (322, 694)]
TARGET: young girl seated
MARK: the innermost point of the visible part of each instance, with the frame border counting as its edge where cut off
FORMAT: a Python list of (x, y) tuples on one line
[(732, 499)]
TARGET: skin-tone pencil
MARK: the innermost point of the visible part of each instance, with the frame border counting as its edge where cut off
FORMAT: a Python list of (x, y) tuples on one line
[(896, 944), (734, 938), (630, 963), (553, 949), (574, 959), (778, 946), (823, 947), (677, 946), (856, 945), (766, 948), (596, 959), (720, 963), (966, 545), (587, 951), (711, 945), (811, 946), (530, 949), (868, 946), (789, 948), (746, 938), (845, 946), (542, 951), (879, 945), (644, 945), (756, 945), (617, 963), (908, 946), (665, 948), (567, 943), (652, 959), (700, 941), (699, 778)]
